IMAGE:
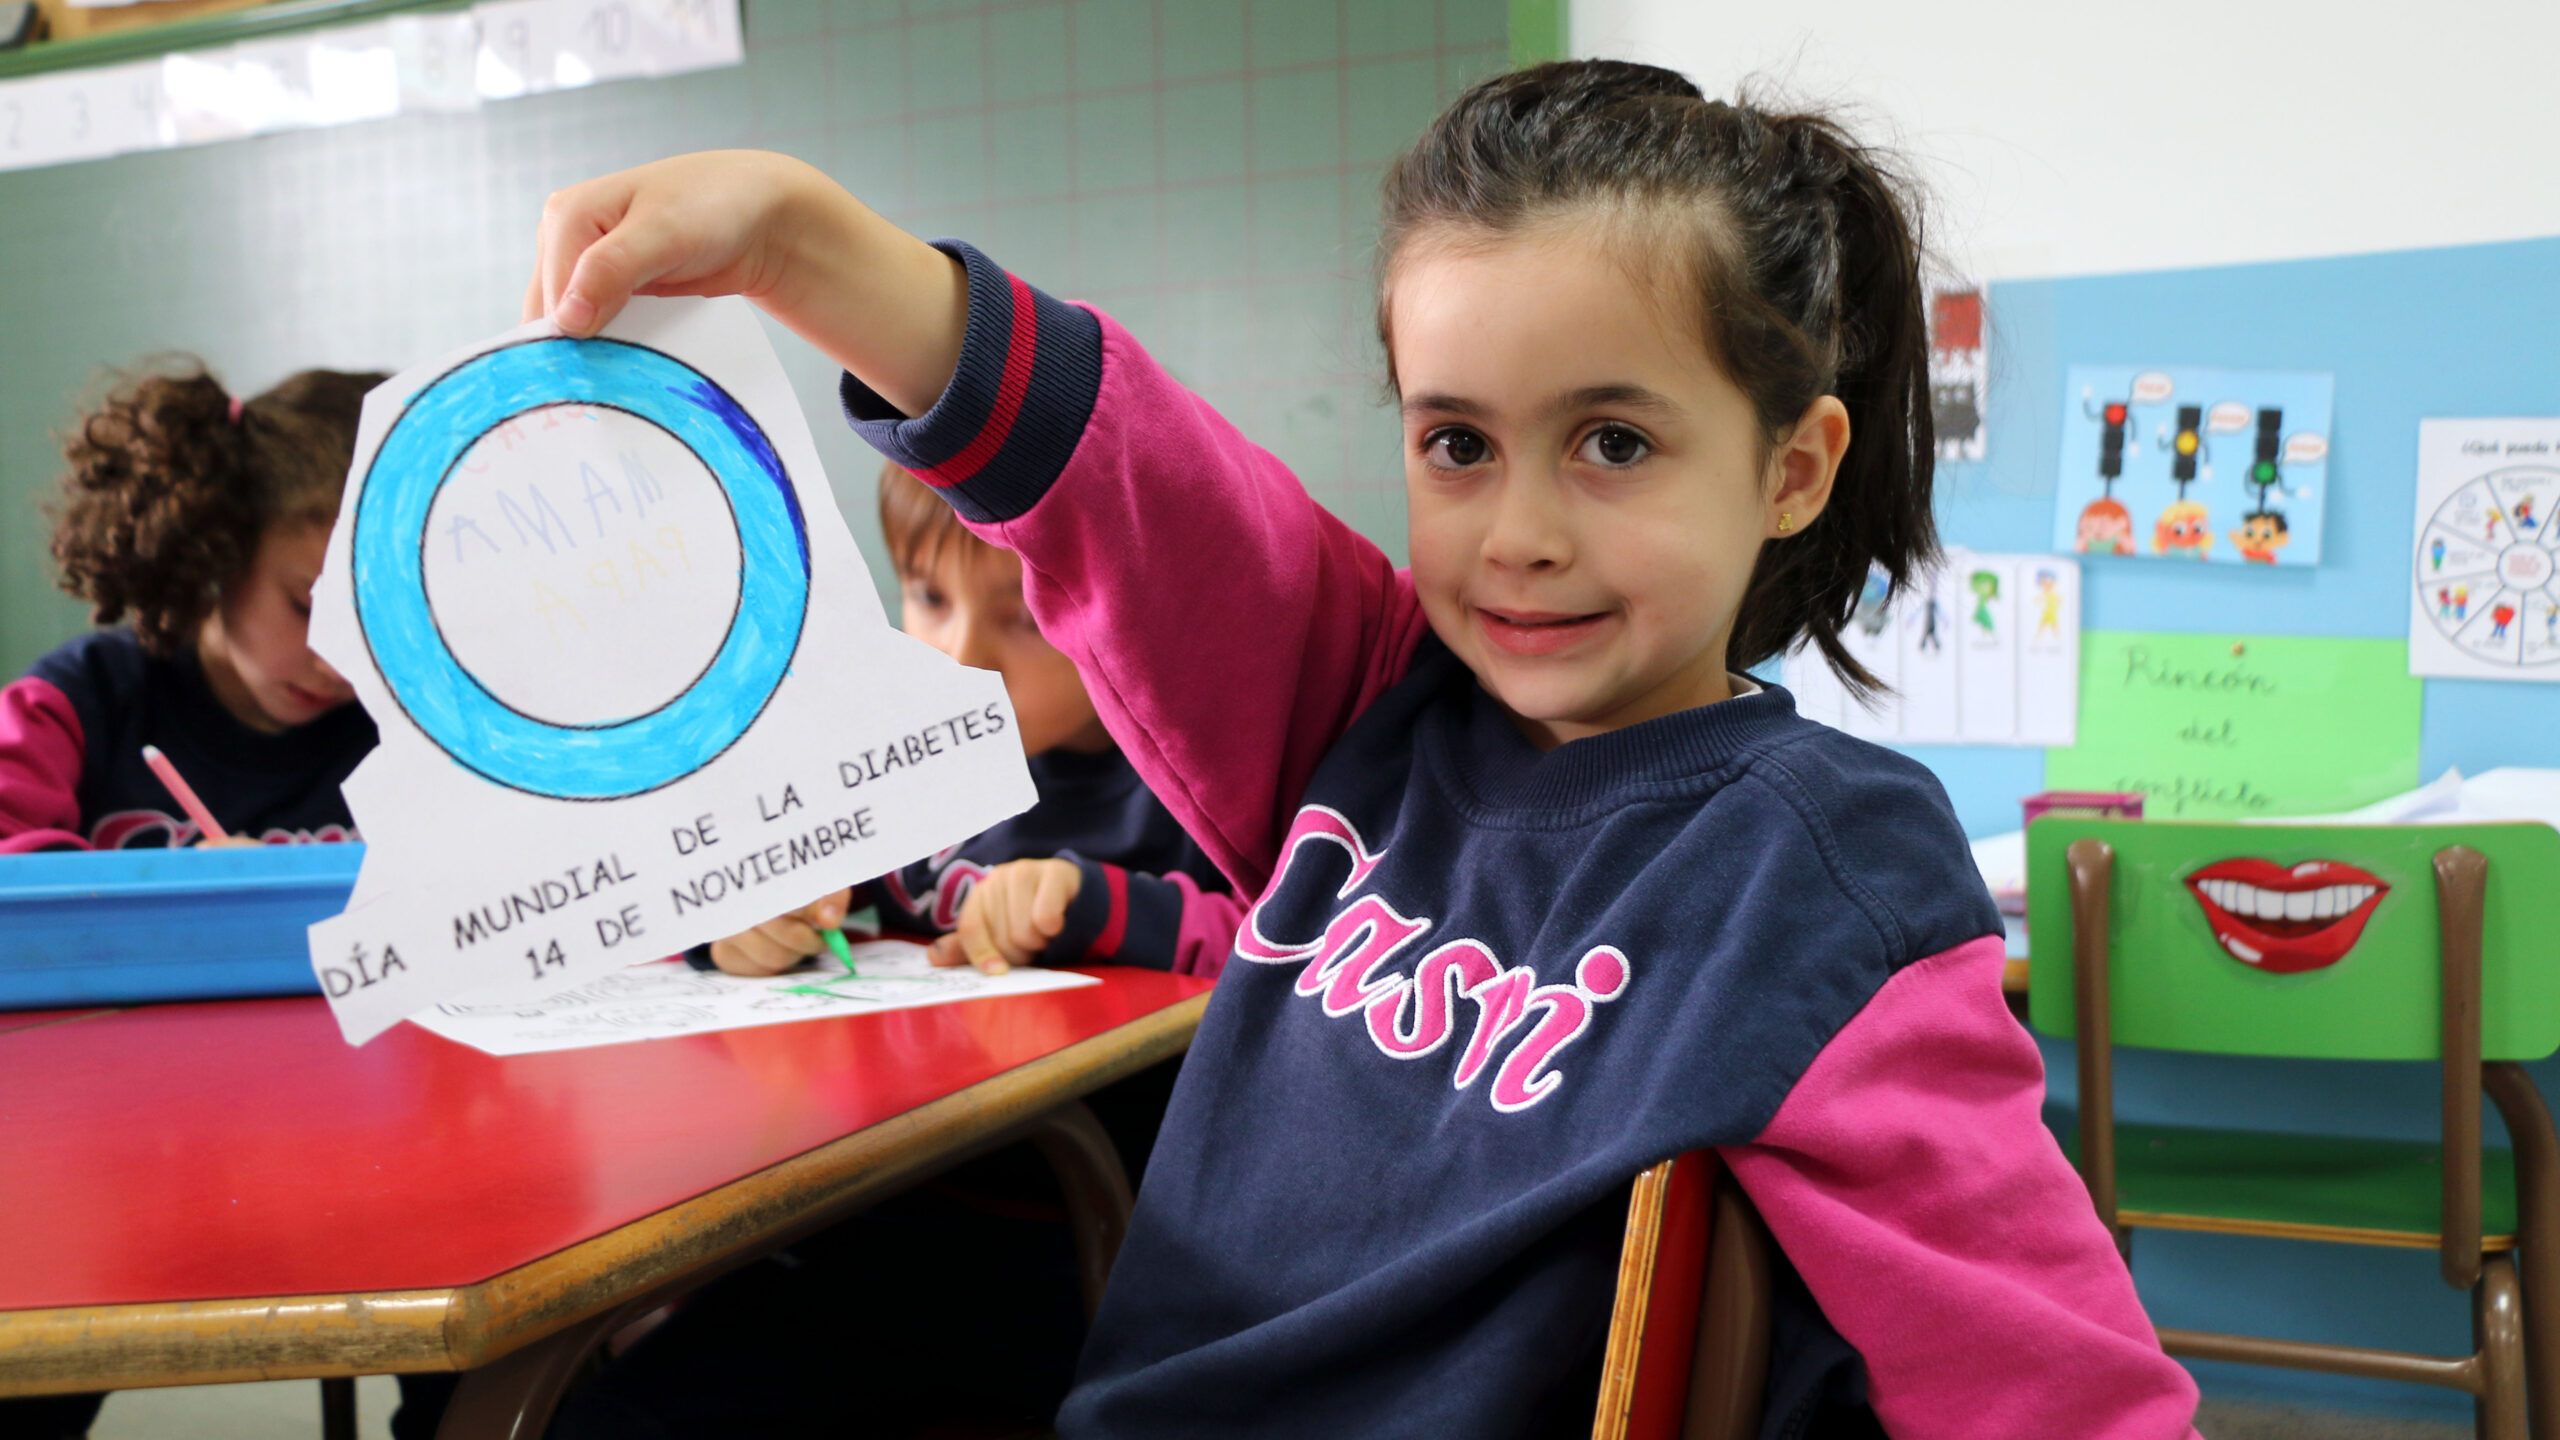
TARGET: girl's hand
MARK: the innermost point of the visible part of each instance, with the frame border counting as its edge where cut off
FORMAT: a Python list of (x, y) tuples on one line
[(879, 302), (1011, 915), (782, 942)]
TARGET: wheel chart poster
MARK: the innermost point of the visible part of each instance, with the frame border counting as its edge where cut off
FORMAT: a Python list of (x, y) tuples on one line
[(2182, 463), (2484, 601), (634, 685)]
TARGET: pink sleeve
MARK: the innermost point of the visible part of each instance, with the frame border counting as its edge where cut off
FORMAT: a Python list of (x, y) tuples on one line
[(1912, 1183), (1228, 626), (1209, 921), (40, 755)]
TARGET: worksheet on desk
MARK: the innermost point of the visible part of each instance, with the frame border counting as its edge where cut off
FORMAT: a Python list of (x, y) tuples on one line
[(670, 997)]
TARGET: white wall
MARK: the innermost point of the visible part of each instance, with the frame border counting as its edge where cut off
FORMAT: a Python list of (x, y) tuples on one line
[(2062, 137)]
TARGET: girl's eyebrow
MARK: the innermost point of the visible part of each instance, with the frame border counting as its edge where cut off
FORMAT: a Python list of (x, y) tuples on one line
[(1618, 396), (1444, 405), (1621, 395)]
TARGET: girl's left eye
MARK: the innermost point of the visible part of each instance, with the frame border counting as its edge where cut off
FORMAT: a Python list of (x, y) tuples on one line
[(1613, 446)]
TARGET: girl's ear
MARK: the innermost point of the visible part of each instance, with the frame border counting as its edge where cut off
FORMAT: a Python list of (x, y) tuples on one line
[(1802, 467)]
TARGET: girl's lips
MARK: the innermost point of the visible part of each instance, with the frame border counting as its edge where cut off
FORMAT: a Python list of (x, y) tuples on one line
[(2286, 919), (1536, 632)]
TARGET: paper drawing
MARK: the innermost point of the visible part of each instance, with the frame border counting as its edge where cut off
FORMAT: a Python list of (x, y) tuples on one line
[(2228, 467), (634, 684), (669, 997), (1959, 372), (2487, 564)]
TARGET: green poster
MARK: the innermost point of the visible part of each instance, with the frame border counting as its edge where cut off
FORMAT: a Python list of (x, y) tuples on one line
[(2224, 727)]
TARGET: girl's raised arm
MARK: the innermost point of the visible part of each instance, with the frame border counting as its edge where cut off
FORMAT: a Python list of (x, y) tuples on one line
[(1228, 627)]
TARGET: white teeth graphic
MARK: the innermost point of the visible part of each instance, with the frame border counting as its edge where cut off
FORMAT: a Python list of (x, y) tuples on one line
[(2252, 902)]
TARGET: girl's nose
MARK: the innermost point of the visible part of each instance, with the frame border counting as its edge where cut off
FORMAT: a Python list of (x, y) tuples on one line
[(1527, 530)]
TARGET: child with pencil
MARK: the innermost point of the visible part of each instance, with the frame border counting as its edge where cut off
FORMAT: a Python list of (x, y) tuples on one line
[(1549, 889), (193, 522), (1096, 871)]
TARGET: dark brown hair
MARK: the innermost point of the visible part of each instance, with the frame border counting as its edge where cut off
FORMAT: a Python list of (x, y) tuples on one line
[(169, 491), (920, 526), (1800, 249)]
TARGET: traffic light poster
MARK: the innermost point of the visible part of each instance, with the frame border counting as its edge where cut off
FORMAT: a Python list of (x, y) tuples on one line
[(2222, 467)]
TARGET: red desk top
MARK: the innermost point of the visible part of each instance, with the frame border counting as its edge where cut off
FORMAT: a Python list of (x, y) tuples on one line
[(240, 1148)]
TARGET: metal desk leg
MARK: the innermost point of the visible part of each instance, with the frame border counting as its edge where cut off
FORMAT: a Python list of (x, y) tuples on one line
[(1096, 1187), (512, 1397), (338, 1408)]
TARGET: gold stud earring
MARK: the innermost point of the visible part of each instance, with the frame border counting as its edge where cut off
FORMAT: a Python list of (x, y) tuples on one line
[(1785, 519)]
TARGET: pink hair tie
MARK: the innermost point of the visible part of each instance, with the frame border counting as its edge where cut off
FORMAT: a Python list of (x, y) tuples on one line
[(235, 409)]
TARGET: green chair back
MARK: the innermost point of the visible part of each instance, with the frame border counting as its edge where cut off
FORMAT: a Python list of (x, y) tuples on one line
[(2200, 964)]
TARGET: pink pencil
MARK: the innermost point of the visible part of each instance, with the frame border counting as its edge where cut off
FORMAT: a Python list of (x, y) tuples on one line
[(186, 793)]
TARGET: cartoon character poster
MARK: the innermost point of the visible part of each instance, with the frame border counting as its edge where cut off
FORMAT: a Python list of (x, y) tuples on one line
[(1982, 650), (2227, 467), (1959, 372), (2486, 572)]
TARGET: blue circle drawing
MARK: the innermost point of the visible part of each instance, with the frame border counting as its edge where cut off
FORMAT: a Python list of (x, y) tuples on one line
[(616, 758)]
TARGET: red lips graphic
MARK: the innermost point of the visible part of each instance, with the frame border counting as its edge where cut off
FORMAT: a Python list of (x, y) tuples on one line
[(2286, 920)]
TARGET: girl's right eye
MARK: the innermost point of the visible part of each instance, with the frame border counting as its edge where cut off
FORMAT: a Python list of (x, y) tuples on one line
[(1455, 447)]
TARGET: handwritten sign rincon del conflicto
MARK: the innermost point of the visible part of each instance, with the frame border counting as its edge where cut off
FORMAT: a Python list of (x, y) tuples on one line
[(2228, 727)]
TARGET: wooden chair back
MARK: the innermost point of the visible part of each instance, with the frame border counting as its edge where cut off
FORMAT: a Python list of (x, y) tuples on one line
[(1688, 1349)]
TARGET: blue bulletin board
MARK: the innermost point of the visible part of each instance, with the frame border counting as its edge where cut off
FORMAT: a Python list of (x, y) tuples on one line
[(2407, 335)]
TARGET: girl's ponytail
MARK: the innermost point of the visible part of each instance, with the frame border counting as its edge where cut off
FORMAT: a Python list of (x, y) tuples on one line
[(171, 483), (1880, 512), (1801, 250)]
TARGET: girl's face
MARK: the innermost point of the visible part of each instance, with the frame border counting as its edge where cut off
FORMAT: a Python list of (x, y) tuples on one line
[(1588, 492), (968, 605), (255, 645)]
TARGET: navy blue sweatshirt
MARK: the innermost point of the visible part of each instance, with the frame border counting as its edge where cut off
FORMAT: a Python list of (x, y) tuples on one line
[(71, 769), (1484, 986)]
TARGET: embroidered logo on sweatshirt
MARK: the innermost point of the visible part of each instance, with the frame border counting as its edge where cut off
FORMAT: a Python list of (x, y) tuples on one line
[(1412, 1014)]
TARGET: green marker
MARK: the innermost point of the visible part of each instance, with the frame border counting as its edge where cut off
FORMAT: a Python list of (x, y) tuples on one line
[(844, 952)]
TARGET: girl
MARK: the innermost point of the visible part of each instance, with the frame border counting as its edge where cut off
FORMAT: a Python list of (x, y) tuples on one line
[(201, 519), (1548, 890)]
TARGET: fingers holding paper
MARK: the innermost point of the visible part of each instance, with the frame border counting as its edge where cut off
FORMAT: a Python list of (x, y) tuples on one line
[(881, 303)]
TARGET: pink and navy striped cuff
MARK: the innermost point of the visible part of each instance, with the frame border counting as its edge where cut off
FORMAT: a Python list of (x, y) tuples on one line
[(1030, 367)]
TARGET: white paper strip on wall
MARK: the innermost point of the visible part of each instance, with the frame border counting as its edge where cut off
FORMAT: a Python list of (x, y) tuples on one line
[(435, 55), (529, 47), (1984, 650), (421, 64), (79, 115)]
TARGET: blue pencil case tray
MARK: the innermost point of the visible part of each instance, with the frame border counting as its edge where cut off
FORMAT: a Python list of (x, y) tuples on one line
[(117, 927)]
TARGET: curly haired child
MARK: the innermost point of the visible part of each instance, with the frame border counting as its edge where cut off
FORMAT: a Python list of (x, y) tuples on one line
[(193, 522)]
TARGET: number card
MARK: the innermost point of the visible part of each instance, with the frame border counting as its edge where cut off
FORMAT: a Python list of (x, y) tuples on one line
[(635, 688)]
